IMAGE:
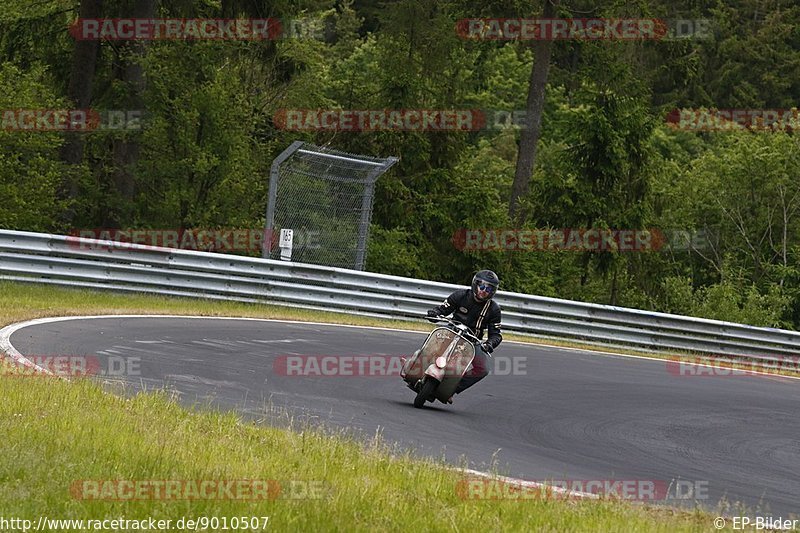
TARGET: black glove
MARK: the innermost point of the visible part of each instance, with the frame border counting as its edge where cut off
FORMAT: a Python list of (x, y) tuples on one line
[(486, 347), (432, 313)]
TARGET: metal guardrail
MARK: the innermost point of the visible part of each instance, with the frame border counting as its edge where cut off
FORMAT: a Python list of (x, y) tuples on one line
[(74, 261)]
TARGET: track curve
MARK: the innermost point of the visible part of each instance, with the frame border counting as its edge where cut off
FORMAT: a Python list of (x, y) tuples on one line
[(572, 415)]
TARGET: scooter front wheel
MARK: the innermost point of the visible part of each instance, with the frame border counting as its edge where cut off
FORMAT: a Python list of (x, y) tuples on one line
[(428, 387)]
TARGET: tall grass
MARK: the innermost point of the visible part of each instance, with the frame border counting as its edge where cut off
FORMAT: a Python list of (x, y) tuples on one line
[(56, 433)]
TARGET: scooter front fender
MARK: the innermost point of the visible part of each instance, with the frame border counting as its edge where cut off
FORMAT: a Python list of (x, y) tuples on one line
[(435, 372)]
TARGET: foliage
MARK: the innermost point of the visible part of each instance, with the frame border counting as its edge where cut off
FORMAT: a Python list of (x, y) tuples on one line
[(29, 166), (726, 205)]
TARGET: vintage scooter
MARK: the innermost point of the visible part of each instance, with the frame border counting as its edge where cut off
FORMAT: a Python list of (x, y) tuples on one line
[(433, 372)]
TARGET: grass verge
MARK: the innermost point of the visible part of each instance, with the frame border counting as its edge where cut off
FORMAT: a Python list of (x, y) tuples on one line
[(57, 433)]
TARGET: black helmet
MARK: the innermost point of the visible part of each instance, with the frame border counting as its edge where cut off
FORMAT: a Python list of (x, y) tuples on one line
[(484, 285)]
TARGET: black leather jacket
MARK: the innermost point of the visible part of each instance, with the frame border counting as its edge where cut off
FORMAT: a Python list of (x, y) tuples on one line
[(475, 315)]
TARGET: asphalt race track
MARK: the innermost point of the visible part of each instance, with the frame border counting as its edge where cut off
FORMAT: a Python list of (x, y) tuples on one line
[(567, 415)]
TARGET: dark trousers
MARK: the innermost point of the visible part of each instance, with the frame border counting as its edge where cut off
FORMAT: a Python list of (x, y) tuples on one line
[(478, 371)]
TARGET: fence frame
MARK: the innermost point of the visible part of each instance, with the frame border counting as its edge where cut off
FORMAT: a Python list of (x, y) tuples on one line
[(380, 167)]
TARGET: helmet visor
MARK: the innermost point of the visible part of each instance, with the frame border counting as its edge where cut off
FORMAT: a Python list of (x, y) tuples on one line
[(485, 289)]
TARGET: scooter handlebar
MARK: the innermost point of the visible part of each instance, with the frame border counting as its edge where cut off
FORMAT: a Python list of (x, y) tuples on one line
[(465, 332)]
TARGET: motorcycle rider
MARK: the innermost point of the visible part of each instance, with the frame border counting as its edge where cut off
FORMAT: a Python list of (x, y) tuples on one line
[(475, 308)]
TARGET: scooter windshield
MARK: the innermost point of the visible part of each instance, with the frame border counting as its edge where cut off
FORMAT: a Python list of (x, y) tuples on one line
[(440, 341)]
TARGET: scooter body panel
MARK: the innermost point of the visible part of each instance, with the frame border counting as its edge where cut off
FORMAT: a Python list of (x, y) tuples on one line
[(451, 349)]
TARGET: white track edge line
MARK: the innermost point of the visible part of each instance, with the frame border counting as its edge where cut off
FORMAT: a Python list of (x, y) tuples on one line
[(6, 332), (7, 348)]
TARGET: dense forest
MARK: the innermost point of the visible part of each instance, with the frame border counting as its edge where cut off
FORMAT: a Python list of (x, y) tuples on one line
[(604, 144)]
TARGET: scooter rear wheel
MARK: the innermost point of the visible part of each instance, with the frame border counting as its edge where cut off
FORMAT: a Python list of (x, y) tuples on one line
[(425, 392)]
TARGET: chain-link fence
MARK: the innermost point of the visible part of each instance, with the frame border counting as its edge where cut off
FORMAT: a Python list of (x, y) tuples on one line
[(325, 197)]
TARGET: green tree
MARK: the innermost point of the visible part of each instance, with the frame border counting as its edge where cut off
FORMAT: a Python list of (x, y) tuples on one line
[(30, 172)]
